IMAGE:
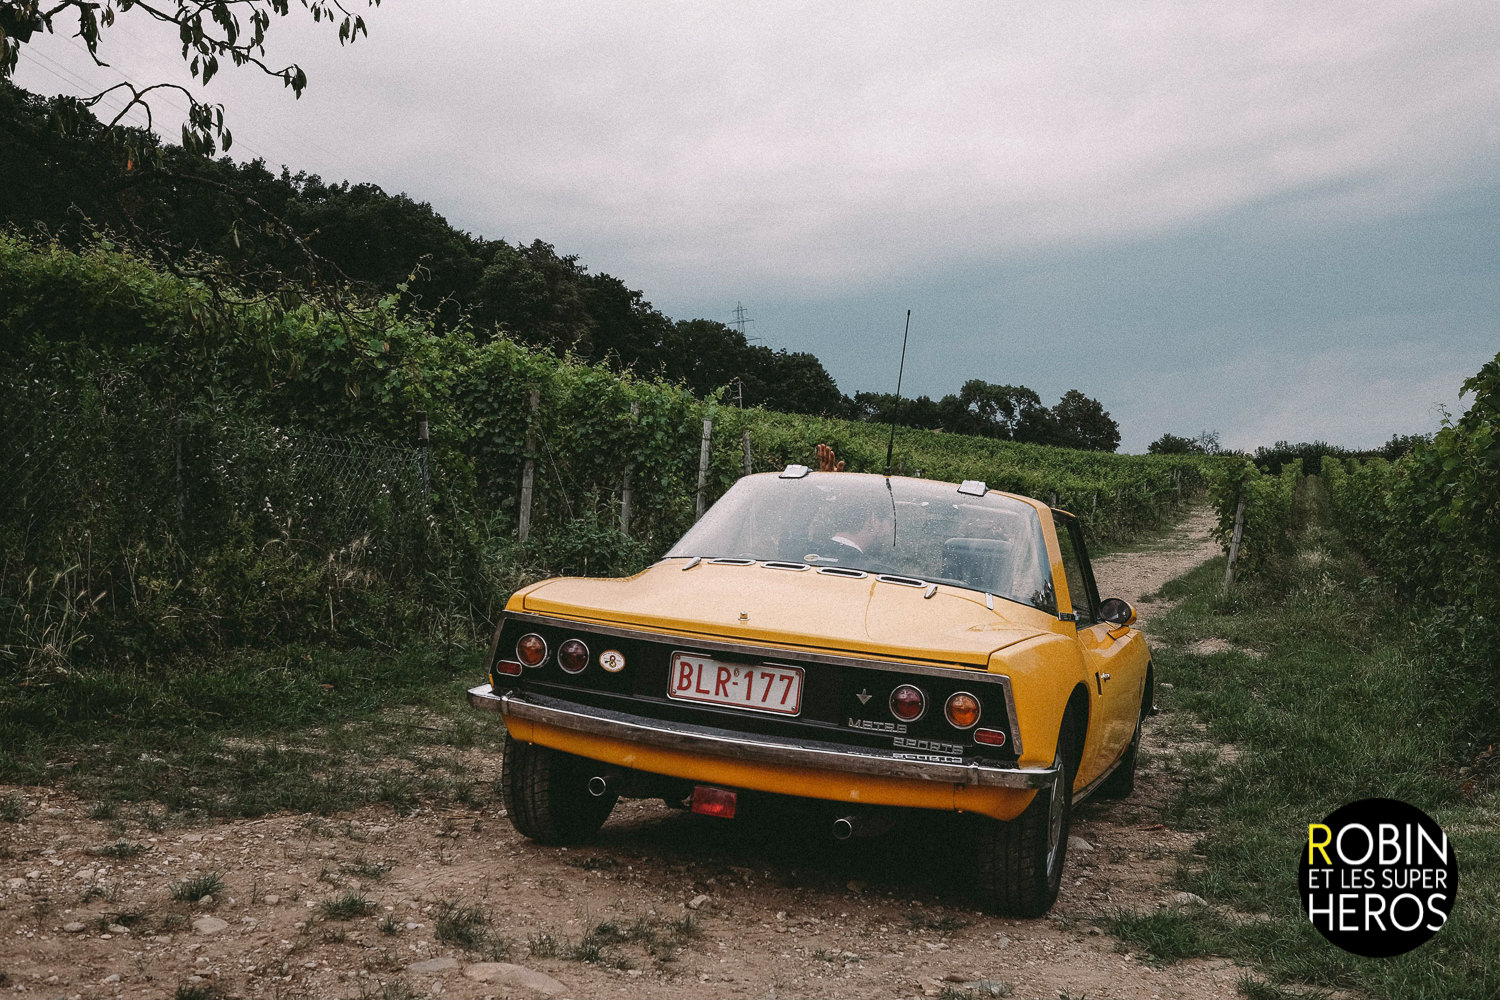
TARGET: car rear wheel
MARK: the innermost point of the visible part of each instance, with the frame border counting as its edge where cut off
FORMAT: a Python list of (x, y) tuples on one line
[(1021, 861), (547, 796)]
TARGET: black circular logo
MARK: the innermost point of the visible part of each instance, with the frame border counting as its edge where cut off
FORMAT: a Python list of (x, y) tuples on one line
[(1378, 877)]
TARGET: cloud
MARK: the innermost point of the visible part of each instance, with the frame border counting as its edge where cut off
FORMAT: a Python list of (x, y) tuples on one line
[(818, 147), (1158, 203)]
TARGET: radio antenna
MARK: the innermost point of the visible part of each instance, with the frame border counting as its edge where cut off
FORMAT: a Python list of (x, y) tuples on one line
[(891, 445)]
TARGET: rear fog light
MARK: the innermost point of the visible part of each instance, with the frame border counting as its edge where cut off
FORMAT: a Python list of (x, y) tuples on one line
[(710, 801), (509, 668), (989, 737)]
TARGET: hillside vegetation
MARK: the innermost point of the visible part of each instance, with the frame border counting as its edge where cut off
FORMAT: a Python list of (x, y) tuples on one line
[(70, 177), (196, 471)]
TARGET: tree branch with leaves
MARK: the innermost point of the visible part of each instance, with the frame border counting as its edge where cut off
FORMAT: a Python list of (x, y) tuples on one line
[(212, 32)]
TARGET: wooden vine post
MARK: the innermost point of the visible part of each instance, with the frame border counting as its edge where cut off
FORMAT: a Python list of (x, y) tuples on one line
[(528, 471), (703, 454), (1234, 543), (745, 440)]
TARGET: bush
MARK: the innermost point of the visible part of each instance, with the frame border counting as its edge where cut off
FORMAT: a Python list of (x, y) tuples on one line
[(1267, 537)]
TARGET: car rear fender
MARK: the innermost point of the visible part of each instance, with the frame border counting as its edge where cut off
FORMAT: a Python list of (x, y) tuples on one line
[(1046, 676)]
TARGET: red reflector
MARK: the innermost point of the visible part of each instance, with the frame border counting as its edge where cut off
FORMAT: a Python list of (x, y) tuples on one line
[(508, 667), (989, 737), (710, 801)]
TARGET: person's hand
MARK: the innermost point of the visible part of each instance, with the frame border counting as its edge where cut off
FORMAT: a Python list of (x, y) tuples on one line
[(827, 461)]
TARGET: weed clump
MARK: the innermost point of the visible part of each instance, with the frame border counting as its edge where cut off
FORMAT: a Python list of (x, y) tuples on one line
[(349, 906), (193, 889)]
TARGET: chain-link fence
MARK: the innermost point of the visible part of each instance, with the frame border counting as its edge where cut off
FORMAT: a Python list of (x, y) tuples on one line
[(125, 534)]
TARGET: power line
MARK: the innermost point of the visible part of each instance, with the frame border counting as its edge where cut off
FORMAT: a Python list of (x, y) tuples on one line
[(740, 319)]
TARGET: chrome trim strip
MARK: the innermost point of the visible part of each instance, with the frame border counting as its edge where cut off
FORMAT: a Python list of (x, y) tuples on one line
[(484, 698), (1010, 711), (760, 749), (977, 675), (749, 649)]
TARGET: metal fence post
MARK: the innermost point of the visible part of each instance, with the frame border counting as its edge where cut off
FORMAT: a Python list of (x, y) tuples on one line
[(528, 471), (635, 411), (703, 455), (424, 465), (181, 481)]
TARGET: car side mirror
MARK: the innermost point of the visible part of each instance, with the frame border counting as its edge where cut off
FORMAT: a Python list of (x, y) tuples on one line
[(1117, 612)]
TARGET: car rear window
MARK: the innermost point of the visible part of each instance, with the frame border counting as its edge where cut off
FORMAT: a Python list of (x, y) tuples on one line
[(914, 528)]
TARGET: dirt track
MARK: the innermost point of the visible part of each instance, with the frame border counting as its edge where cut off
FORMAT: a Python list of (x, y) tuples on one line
[(780, 909)]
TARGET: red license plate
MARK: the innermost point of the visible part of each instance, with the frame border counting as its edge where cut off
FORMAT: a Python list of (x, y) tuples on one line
[(766, 687)]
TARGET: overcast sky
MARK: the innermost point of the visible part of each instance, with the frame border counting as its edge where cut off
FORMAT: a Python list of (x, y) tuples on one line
[(1277, 221)]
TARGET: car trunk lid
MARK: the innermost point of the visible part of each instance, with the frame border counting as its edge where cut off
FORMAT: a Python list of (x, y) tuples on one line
[(794, 609)]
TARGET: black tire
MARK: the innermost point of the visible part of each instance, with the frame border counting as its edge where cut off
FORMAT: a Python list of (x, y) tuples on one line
[(1021, 861), (546, 794)]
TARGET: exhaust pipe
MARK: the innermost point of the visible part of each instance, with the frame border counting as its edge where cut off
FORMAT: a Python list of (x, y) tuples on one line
[(598, 786), (843, 827)]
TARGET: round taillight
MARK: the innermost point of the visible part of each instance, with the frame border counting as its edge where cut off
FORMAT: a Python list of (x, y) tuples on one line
[(908, 703), (531, 649), (962, 710), (573, 656)]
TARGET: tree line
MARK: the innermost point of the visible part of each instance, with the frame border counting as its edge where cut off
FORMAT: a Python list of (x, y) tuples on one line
[(71, 177)]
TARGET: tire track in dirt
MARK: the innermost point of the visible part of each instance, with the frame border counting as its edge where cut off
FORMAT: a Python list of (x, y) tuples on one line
[(787, 913)]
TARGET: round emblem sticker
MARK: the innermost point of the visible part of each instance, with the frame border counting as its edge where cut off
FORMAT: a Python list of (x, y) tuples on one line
[(1378, 877), (612, 660)]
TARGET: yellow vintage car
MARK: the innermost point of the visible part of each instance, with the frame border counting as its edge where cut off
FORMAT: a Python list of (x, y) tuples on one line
[(868, 641)]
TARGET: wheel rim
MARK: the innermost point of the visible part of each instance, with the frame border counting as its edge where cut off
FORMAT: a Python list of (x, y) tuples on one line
[(1055, 815)]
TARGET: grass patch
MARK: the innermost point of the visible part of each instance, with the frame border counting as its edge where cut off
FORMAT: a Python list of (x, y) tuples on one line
[(199, 991), (133, 918), (1168, 935), (460, 924), (252, 732), (543, 945), (193, 889), (659, 938), (349, 906), (369, 870), (121, 849), (398, 989), (945, 924), (1345, 704), (103, 810), (467, 927)]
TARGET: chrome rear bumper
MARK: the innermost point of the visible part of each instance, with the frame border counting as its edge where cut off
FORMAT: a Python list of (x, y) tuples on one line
[(741, 746)]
